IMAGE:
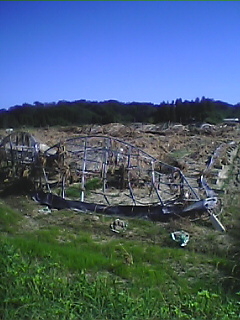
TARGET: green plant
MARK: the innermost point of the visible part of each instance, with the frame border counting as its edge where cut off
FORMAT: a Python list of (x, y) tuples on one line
[(73, 191), (9, 219), (34, 288), (93, 184)]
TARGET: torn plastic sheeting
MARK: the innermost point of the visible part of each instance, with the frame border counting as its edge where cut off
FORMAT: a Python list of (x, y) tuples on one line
[(181, 237), (151, 212), (45, 210)]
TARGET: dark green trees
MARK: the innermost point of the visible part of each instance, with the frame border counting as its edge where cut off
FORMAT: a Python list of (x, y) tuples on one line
[(86, 112)]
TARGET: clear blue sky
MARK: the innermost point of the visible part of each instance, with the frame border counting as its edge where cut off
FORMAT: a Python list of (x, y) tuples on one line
[(143, 51)]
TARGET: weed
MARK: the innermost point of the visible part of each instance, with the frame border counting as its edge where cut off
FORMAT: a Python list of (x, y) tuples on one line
[(93, 184), (73, 192), (41, 289), (9, 219)]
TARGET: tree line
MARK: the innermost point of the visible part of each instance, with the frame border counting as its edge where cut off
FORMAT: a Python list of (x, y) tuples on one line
[(81, 112)]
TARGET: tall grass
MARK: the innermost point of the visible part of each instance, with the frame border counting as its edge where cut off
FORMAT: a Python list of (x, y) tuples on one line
[(9, 219), (42, 289)]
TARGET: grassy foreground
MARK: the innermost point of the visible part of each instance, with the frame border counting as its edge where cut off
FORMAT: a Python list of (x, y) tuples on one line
[(81, 271)]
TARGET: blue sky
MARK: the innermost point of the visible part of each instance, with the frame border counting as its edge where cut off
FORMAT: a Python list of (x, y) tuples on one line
[(143, 51)]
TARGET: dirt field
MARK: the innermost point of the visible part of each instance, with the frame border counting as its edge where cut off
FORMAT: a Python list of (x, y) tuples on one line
[(187, 147)]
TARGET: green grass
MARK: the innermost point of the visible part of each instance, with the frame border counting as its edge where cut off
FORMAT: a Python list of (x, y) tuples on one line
[(74, 191), (74, 268), (41, 288), (9, 219), (93, 184)]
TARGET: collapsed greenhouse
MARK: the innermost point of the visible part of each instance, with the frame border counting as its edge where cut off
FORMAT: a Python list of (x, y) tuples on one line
[(109, 176)]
